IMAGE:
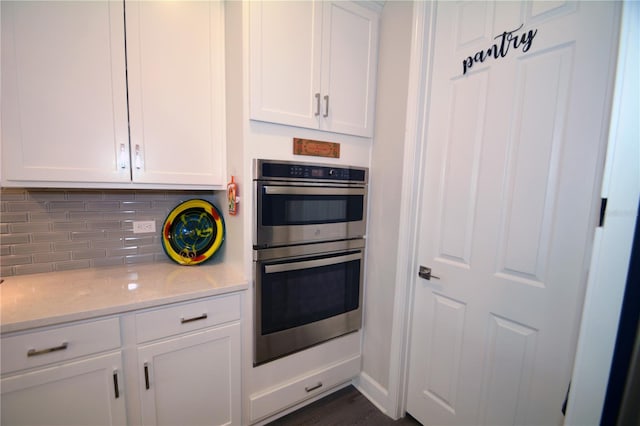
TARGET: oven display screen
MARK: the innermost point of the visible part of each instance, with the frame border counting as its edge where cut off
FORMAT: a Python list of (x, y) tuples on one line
[(317, 172)]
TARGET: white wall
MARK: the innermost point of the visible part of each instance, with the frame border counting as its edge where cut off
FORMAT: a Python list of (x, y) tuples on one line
[(612, 246), (384, 198)]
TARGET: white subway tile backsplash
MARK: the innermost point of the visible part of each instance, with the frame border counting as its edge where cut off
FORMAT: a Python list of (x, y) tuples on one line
[(44, 230)]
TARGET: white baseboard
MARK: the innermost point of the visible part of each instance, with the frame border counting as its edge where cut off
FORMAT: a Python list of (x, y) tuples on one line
[(373, 391)]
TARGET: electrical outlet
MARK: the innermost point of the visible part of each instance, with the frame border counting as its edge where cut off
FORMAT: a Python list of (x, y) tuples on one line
[(144, 226)]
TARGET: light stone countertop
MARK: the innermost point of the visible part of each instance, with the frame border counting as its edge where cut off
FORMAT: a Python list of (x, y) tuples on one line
[(37, 300)]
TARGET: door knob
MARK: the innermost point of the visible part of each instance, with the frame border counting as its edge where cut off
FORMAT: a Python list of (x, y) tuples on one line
[(425, 272)]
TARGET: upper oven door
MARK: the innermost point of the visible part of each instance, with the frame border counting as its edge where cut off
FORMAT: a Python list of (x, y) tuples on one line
[(294, 214)]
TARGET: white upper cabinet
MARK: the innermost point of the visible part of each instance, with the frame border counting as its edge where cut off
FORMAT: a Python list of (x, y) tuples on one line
[(64, 105), (313, 65), (65, 78), (175, 65)]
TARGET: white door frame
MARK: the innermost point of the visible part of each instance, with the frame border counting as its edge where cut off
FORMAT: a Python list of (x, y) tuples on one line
[(417, 122)]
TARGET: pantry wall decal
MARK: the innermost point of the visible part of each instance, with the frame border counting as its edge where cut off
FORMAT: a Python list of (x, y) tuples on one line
[(506, 40)]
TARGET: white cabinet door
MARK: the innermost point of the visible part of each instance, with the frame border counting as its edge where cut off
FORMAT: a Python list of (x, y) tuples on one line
[(86, 392), (349, 61), (285, 48), (313, 65), (64, 107), (64, 94), (193, 379), (175, 65)]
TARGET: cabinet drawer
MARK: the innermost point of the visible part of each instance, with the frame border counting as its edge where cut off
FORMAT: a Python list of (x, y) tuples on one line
[(187, 317), (290, 393), (59, 344)]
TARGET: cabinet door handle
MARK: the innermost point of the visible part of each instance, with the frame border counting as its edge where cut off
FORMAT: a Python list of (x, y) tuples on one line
[(312, 388), (146, 376), (34, 352), (115, 383), (124, 156), (326, 106), (317, 105), (138, 157), (198, 318)]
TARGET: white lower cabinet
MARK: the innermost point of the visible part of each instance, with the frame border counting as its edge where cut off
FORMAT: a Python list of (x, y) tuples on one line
[(76, 393), (70, 375), (192, 379), (174, 365), (277, 387)]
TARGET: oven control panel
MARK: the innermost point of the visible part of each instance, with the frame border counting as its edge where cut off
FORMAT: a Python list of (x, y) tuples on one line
[(266, 169)]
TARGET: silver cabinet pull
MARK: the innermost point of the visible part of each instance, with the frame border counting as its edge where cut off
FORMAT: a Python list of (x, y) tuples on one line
[(34, 352), (146, 376), (115, 383), (312, 388), (317, 95), (124, 156), (186, 320), (326, 106), (138, 157), (425, 272)]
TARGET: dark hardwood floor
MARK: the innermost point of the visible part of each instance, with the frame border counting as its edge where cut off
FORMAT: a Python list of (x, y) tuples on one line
[(345, 407)]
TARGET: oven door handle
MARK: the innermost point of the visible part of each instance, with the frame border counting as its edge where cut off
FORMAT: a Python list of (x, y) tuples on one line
[(306, 264), (291, 190)]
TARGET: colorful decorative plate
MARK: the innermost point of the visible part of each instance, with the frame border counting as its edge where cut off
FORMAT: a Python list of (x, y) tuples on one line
[(192, 232)]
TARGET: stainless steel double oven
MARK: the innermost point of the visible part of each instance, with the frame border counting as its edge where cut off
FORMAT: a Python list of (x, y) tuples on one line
[(308, 253)]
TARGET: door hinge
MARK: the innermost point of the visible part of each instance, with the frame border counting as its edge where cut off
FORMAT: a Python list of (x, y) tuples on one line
[(603, 211)]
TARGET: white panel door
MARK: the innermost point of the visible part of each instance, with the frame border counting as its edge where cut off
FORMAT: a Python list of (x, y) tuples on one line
[(64, 105), (285, 43), (514, 152), (349, 63), (77, 393), (192, 379), (175, 65)]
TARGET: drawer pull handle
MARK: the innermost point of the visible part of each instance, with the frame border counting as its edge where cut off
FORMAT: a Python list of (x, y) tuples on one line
[(146, 376), (186, 320), (115, 383), (312, 388), (34, 352)]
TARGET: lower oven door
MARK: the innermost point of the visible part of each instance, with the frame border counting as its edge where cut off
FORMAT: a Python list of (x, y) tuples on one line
[(309, 295)]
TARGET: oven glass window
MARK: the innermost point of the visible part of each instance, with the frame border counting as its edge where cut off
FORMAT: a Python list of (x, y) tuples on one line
[(294, 298), (283, 210)]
